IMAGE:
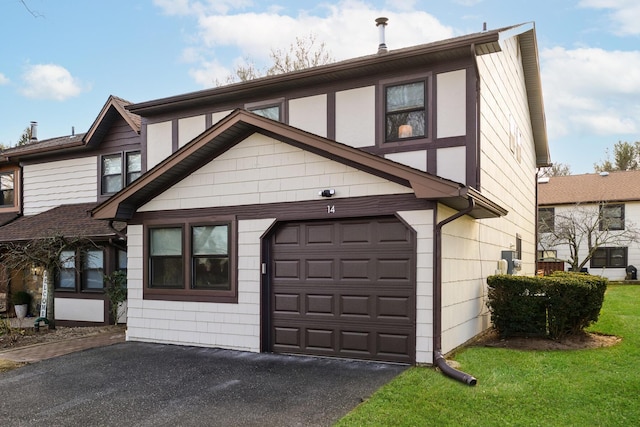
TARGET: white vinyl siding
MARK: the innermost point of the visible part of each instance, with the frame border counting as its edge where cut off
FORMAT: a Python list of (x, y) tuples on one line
[(263, 170), (51, 184)]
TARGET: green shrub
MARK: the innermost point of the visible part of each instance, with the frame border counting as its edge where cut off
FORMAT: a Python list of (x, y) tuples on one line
[(516, 306), (553, 306), (20, 298)]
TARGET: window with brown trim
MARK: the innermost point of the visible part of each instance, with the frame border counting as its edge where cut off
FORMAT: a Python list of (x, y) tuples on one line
[(115, 171), (194, 260), (81, 266), (405, 111), (7, 189)]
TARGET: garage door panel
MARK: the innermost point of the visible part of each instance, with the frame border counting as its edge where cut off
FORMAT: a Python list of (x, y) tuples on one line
[(320, 304), (355, 282), (320, 268), (287, 269), (287, 303), (319, 234)]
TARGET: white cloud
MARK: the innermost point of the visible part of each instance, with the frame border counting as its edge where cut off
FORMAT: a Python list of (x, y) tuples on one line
[(624, 14), (591, 91), (347, 28), (3, 79), (50, 81)]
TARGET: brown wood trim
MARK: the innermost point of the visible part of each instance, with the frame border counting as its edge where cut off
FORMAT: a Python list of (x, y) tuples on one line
[(312, 209), (187, 294)]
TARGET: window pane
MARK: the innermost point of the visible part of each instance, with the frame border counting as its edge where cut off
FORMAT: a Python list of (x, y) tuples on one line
[(92, 270), (6, 189), (67, 273), (272, 113), (122, 260), (67, 279), (68, 259), (6, 181), (405, 125), (134, 162), (166, 242), (405, 97), (111, 165), (211, 240), (112, 184), (618, 257), (211, 273), (6, 198), (166, 272)]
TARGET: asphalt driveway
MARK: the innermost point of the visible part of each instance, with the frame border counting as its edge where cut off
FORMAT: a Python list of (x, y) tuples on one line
[(139, 384)]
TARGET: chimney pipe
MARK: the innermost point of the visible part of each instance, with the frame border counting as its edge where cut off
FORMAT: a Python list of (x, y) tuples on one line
[(34, 132), (381, 23), (73, 131)]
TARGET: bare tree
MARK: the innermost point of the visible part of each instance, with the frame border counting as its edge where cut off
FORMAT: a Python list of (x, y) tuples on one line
[(45, 253), (306, 52), (556, 169), (591, 227)]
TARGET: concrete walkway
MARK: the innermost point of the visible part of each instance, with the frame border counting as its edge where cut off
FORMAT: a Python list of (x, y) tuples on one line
[(43, 351)]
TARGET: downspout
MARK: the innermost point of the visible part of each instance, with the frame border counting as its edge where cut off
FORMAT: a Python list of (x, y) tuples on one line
[(438, 358)]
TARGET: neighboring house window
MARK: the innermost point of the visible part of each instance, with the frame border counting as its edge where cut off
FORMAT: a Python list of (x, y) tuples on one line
[(542, 255), (405, 111), (518, 246), (546, 220), (7, 195), (115, 171), (90, 275), (192, 261), (611, 217), (611, 257)]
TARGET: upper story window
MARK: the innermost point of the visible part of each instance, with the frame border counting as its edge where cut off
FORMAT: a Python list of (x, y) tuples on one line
[(7, 187), (611, 217), (405, 111), (191, 261), (546, 220), (118, 169), (272, 112), (271, 109)]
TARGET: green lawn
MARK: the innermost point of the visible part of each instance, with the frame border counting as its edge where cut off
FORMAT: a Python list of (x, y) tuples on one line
[(597, 387)]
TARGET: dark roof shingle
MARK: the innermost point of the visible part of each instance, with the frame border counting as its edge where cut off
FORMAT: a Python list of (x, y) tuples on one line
[(66, 220)]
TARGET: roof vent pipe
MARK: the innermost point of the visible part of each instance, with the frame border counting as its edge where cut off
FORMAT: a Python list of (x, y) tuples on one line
[(381, 23), (33, 132)]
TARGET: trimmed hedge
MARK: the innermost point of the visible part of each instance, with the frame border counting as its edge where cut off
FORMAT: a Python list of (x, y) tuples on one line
[(553, 306)]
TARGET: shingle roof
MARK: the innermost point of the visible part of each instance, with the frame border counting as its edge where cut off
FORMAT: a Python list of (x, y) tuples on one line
[(7, 217), (114, 107), (66, 220), (590, 188)]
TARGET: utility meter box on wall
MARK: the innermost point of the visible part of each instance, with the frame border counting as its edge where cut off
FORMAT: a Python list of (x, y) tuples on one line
[(513, 264)]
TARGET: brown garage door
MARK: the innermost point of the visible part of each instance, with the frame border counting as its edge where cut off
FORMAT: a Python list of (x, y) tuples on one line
[(344, 288)]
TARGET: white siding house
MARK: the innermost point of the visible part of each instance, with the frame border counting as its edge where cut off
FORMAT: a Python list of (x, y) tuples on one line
[(350, 222)]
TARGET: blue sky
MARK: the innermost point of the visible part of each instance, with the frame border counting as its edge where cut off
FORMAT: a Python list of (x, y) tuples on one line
[(59, 67)]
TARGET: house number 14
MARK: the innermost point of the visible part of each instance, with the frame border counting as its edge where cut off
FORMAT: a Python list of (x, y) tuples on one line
[(331, 209)]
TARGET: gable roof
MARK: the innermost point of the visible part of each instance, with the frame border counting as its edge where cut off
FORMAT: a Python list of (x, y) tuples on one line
[(112, 109), (620, 186), (482, 43), (240, 124), (65, 220)]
